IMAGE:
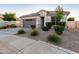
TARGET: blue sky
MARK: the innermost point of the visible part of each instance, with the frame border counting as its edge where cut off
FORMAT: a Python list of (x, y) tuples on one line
[(23, 9)]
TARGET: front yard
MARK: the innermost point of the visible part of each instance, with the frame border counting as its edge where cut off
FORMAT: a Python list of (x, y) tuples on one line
[(70, 40), (42, 35)]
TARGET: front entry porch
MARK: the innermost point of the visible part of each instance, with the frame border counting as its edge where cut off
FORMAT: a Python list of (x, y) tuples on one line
[(42, 21)]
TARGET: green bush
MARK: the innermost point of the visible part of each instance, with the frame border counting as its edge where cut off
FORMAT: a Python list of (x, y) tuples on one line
[(34, 33), (44, 28), (3, 27), (21, 31), (59, 29), (70, 19), (33, 26), (13, 25), (53, 23), (54, 38), (49, 25), (62, 23)]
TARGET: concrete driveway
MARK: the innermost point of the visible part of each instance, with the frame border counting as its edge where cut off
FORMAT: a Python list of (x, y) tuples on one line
[(12, 44)]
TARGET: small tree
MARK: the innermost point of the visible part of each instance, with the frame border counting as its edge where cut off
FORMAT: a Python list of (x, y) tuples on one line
[(9, 17), (59, 14), (70, 19)]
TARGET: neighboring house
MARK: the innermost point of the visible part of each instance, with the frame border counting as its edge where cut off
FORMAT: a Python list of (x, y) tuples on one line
[(40, 18), (18, 22)]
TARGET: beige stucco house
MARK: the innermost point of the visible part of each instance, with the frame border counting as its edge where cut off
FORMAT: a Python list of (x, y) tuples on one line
[(40, 18)]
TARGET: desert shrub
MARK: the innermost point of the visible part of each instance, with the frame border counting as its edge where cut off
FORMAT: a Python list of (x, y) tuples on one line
[(34, 33), (33, 26), (54, 38), (59, 29), (13, 25), (49, 25), (62, 23), (53, 23), (21, 31), (3, 27), (70, 19), (44, 28)]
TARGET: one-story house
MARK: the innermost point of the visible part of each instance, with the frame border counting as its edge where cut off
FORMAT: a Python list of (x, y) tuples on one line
[(40, 18)]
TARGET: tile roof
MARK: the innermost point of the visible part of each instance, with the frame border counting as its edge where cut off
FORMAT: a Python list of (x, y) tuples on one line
[(48, 13)]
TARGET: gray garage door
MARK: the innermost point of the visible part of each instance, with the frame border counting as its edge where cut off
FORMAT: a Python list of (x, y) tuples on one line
[(28, 22)]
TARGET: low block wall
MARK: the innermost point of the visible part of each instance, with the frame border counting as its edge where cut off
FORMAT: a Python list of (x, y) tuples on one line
[(4, 23), (72, 25)]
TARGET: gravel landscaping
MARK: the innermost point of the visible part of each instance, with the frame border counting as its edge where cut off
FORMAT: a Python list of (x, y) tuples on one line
[(42, 35), (70, 40)]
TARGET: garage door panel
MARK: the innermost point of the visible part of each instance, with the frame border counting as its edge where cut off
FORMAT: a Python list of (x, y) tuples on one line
[(27, 24)]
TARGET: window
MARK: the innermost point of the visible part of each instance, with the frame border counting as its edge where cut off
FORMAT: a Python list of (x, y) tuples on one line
[(28, 19), (53, 20)]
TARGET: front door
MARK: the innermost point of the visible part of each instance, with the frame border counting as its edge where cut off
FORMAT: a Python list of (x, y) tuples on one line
[(42, 21)]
